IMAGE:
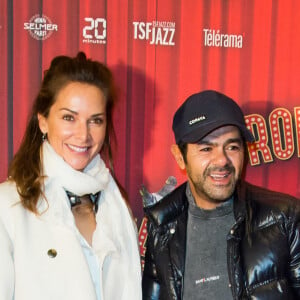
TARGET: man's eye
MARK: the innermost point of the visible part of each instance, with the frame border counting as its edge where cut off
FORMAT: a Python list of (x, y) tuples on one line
[(234, 148), (205, 149), (68, 117)]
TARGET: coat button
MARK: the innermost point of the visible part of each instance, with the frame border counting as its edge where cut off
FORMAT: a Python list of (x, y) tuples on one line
[(172, 230), (52, 253), (231, 231)]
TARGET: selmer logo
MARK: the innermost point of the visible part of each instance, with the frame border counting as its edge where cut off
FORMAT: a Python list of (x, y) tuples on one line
[(40, 27), (214, 38), (196, 120)]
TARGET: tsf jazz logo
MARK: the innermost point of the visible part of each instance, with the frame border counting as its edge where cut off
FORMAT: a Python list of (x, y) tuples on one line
[(156, 32)]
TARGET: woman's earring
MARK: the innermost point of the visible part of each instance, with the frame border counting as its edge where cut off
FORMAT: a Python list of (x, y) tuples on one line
[(44, 137)]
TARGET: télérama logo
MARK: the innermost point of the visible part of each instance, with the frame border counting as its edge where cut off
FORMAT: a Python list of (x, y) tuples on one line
[(40, 27), (215, 38)]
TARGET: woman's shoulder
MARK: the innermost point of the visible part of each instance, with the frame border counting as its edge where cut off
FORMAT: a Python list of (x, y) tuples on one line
[(8, 194), (8, 186)]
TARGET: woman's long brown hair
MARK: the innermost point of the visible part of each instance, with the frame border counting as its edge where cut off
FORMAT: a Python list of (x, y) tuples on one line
[(26, 167)]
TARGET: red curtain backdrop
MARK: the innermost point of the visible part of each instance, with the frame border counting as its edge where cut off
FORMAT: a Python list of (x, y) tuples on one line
[(161, 52)]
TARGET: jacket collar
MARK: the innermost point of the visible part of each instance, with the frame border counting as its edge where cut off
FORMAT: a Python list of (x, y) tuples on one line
[(167, 210), (240, 198), (175, 203)]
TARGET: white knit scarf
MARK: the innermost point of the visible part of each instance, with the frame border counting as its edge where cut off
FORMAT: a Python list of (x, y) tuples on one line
[(115, 238), (94, 178)]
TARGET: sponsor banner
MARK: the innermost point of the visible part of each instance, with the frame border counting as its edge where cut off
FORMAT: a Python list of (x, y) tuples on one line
[(159, 55)]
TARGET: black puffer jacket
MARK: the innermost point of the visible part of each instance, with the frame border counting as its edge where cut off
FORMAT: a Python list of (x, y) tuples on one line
[(263, 246)]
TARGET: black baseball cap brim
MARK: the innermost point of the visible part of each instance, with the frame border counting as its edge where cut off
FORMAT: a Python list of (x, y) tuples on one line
[(199, 133)]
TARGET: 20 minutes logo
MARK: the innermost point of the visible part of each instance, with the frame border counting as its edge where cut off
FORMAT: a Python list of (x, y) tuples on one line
[(94, 31)]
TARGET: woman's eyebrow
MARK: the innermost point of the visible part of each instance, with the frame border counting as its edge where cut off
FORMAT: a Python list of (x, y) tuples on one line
[(76, 113), (69, 110), (98, 115)]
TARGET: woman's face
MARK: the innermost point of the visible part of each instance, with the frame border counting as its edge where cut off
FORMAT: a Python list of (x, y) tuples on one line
[(76, 124)]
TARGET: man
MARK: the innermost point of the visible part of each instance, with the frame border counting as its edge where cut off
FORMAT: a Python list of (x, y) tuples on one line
[(217, 236)]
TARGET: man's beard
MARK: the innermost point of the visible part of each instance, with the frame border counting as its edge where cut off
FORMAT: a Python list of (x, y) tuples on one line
[(214, 193)]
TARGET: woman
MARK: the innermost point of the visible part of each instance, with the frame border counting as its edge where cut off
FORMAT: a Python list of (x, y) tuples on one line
[(65, 230)]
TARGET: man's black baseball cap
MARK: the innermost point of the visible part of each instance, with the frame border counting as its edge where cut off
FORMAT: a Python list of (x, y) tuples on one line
[(204, 112)]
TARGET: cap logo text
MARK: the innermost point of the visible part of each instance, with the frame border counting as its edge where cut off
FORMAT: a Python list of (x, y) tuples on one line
[(196, 120)]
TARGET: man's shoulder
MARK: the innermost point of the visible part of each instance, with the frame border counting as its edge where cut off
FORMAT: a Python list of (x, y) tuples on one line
[(260, 197), (169, 207)]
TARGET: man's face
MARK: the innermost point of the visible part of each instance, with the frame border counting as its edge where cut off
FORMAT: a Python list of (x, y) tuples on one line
[(214, 165)]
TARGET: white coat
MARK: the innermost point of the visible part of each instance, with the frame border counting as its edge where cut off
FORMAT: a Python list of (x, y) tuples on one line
[(42, 259)]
